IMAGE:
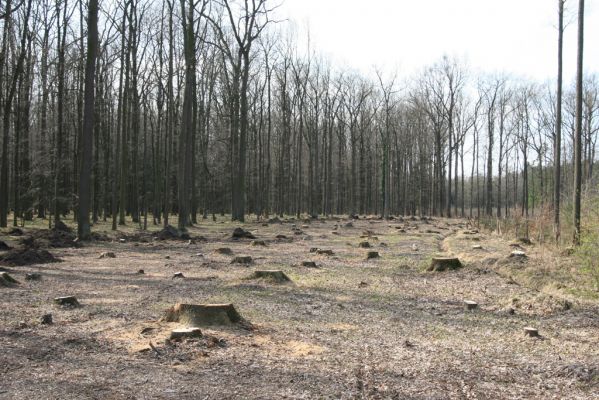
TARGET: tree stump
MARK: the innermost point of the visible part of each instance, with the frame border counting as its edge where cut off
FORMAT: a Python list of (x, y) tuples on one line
[(517, 254), (258, 243), (185, 333), (470, 305), (242, 260), (46, 319), (203, 314), (323, 252), (309, 264), (365, 245), (6, 280), (33, 276), (372, 254), (240, 233), (224, 251), (141, 271), (69, 301), (532, 332), (439, 264), (277, 276)]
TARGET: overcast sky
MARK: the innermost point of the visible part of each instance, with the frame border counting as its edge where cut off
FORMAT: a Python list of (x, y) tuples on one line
[(514, 36)]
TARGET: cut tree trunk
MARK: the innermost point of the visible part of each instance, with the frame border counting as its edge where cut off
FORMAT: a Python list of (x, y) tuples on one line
[(203, 314)]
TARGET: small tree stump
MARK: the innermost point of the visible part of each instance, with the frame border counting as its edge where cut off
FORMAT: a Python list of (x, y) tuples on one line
[(46, 319), (203, 314), (470, 305), (33, 276), (178, 275), (69, 301), (242, 260), (108, 254), (532, 332), (224, 251), (323, 252), (439, 264), (517, 254), (6, 280), (272, 275), (240, 233), (372, 254), (365, 245), (309, 264), (185, 333), (258, 243), (141, 271)]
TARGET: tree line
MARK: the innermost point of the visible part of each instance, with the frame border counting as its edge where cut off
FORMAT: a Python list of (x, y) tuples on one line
[(135, 111)]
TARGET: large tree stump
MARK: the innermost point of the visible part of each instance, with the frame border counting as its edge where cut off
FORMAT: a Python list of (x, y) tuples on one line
[(271, 275), (439, 264), (203, 314)]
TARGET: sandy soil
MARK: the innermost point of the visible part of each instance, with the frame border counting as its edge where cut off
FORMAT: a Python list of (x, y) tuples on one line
[(350, 329)]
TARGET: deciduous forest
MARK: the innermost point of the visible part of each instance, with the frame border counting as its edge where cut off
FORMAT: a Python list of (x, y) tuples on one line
[(195, 202)]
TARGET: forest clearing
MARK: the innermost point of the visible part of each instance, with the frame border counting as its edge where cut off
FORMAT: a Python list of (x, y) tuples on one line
[(343, 327), (299, 199)]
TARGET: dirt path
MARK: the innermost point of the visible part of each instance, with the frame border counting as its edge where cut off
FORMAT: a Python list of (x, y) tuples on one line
[(351, 328)]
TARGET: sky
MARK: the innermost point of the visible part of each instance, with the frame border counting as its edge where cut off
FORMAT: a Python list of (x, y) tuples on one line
[(513, 36)]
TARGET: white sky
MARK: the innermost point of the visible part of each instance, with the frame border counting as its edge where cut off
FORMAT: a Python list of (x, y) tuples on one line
[(514, 36)]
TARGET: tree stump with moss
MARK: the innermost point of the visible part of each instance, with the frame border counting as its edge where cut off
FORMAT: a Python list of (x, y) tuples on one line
[(439, 264), (277, 276), (203, 314)]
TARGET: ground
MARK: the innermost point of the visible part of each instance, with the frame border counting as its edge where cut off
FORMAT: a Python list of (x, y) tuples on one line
[(352, 328)]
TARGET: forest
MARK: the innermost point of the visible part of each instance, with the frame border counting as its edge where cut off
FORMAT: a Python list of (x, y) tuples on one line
[(157, 152)]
